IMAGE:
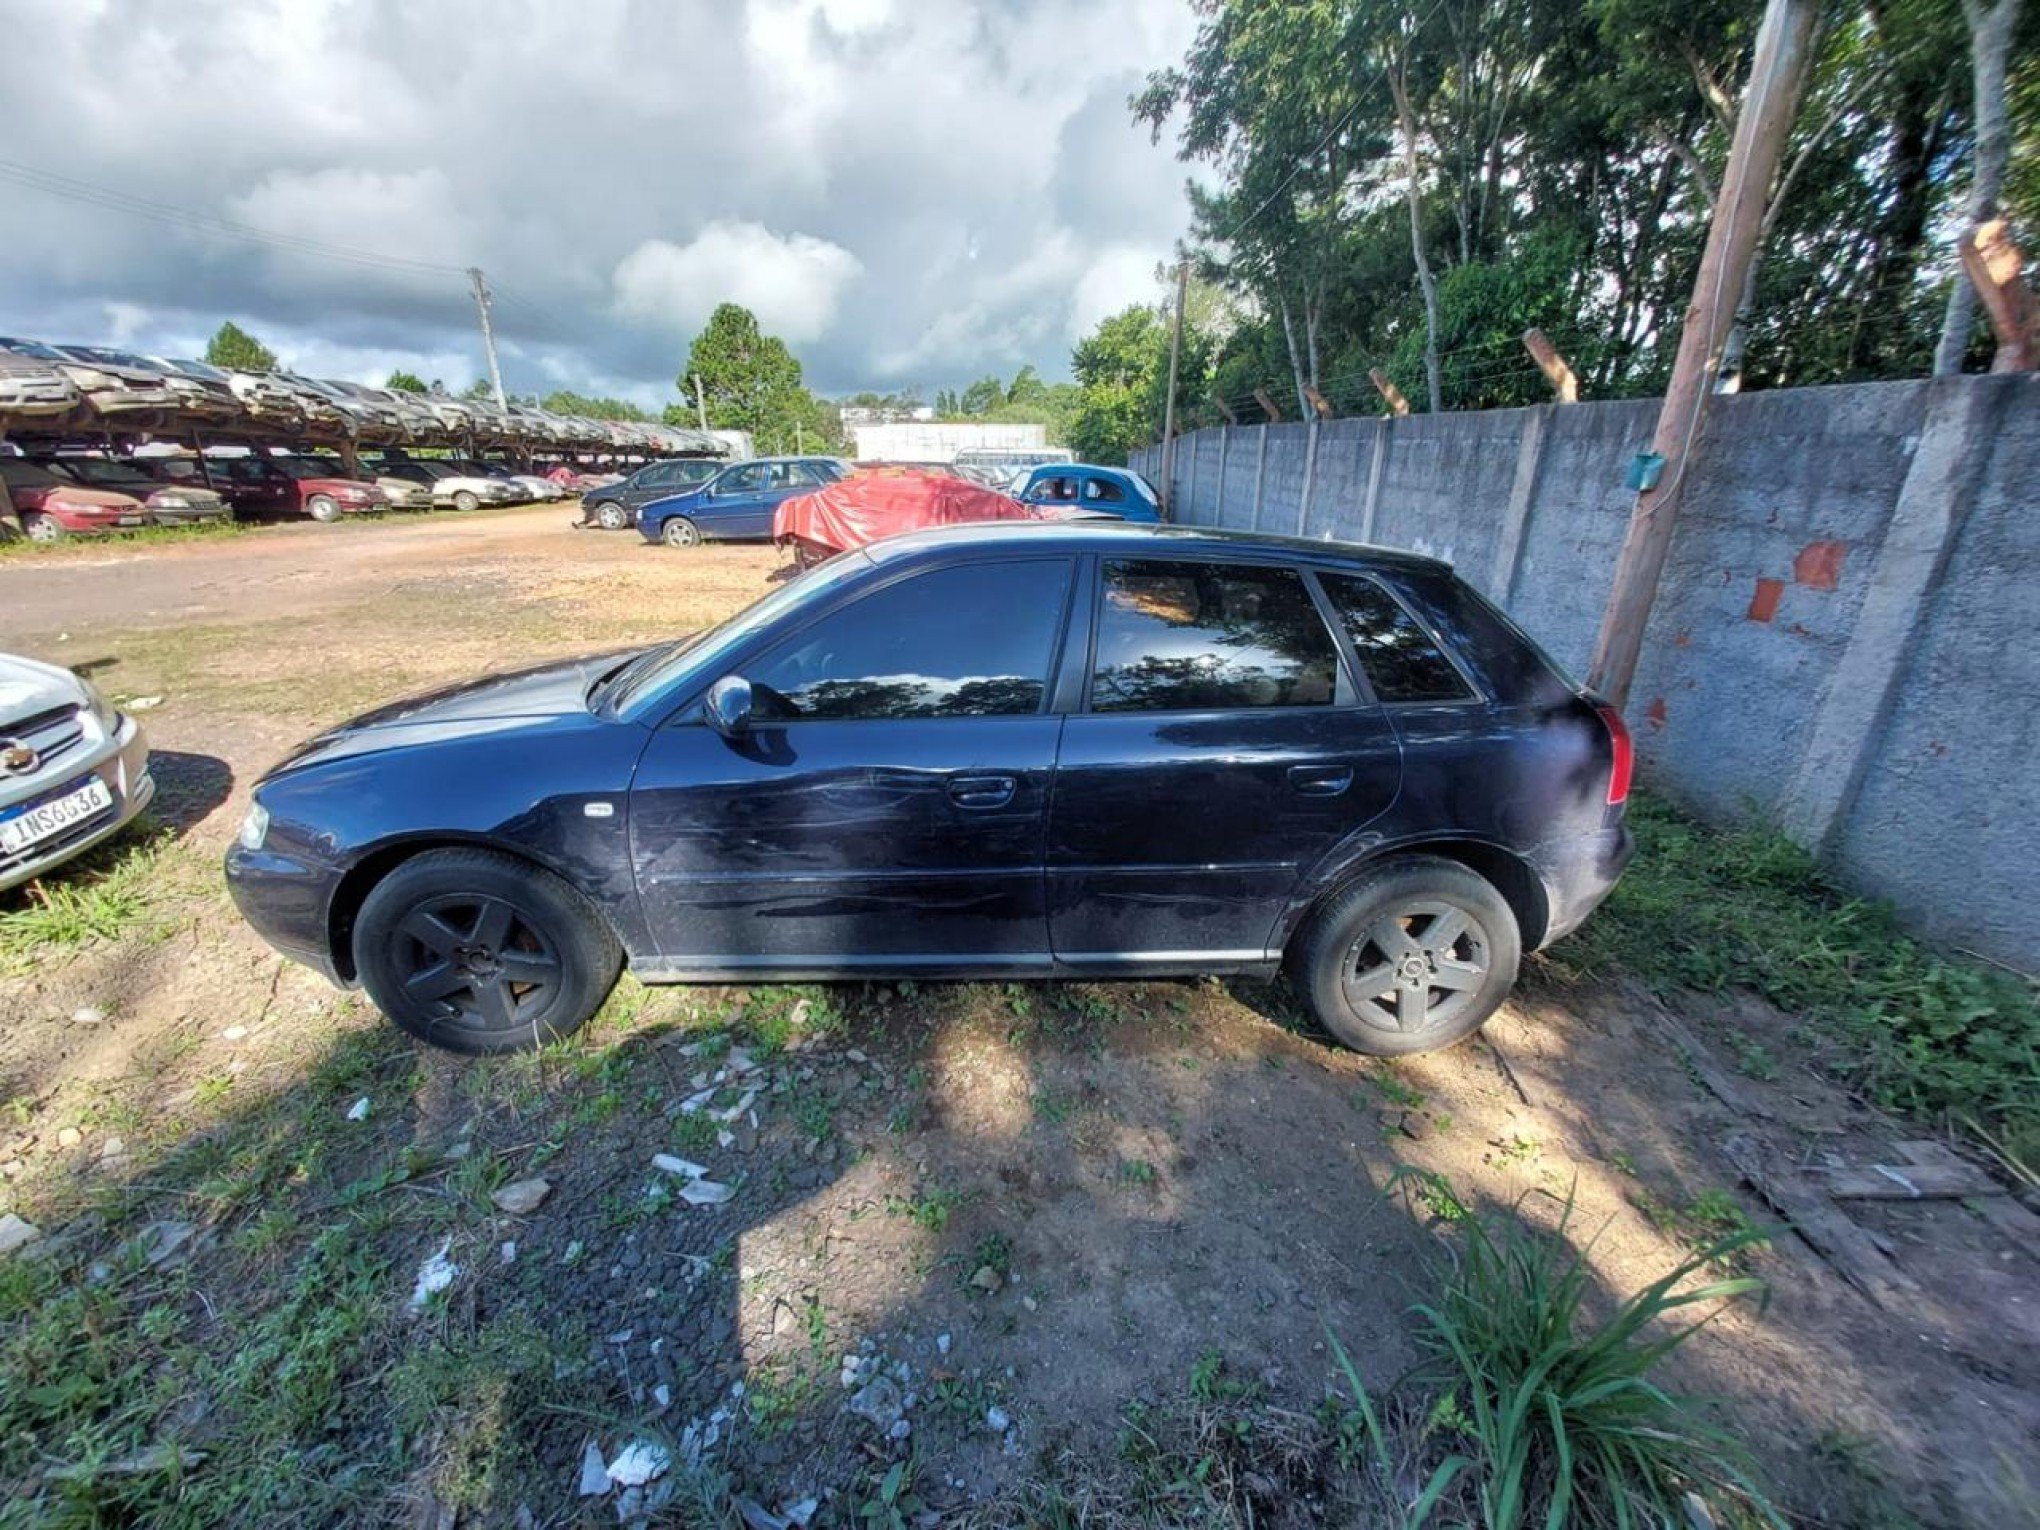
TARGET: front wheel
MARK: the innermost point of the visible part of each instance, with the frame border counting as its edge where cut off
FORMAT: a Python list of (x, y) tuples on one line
[(465, 500), (681, 532), (611, 516), (479, 953), (323, 507), (43, 528), (1412, 957)]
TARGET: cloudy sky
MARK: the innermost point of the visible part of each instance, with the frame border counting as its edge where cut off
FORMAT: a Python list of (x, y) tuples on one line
[(910, 192)]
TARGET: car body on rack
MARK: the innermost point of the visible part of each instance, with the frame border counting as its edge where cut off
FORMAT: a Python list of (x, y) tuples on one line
[(1008, 750), (115, 396), (53, 506), (168, 504), (737, 503), (73, 769), (34, 391)]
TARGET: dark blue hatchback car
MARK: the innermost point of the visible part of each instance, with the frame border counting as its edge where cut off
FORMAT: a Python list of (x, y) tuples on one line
[(735, 505), (1014, 750)]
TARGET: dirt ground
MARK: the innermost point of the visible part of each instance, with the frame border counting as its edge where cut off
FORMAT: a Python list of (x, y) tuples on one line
[(1010, 1218)]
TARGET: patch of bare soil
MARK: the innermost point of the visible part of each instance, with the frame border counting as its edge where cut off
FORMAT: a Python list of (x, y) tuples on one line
[(985, 1229)]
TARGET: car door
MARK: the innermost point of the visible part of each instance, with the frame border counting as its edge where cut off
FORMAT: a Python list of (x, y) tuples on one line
[(729, 505), (648, 484), (1224, 747), (888, 808)]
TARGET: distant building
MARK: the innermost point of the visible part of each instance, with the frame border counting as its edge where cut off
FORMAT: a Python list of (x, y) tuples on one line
[(938, 444), (860, 414)]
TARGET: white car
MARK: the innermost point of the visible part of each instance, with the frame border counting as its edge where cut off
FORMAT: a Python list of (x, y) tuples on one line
[(33, 389), (452, 489), (73, 770)]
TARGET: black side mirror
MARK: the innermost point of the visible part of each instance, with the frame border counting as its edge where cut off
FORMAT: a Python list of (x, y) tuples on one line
[(728, 706)]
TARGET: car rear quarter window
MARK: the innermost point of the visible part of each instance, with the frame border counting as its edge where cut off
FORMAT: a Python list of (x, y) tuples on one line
[(1401, 661), (970, 641), (1507, 662), (1176, 636)]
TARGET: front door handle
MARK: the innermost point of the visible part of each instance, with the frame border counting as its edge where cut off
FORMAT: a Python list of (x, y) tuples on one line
[(982, 791), (1320, 780)]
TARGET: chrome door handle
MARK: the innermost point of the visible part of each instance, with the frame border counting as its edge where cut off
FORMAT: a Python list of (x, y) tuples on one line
[(1320, 780)]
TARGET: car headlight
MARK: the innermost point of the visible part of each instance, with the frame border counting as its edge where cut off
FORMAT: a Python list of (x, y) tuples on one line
[(104, 712), (254, 828), (173, 502)]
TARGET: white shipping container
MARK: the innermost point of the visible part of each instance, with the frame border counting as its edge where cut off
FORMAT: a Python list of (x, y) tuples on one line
[(938, 444)]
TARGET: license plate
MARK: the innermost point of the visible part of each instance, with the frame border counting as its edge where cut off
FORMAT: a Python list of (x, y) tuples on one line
[(128, 520), (48, 819)]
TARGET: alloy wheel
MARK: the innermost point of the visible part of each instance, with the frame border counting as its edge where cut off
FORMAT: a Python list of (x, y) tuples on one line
[(681, 532), (477, 963), (1417, 967)]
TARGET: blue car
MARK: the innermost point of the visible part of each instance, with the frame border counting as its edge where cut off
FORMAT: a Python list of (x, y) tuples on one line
[(1001, 750), (1100, 490), (736, 505)]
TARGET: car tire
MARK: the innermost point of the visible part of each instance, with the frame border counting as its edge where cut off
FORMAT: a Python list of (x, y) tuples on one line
[(432, 938), (465, 500), (680, 532), (43, 528), (1369, 959), (611, 516), (323, 507)]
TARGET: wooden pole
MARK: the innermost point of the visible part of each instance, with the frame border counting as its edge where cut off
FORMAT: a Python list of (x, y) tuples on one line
[(1777, 70), (1225, 409), (1267, 404), (1995, 264), (1169, 403), (1385, 386), (1317, 402), (1563, 381)]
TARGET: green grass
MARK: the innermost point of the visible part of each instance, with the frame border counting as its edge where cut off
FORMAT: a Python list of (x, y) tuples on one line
[(111, 892), (1917, 1028), (1550, 1416)]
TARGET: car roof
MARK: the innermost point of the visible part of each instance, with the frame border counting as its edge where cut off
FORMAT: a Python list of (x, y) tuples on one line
[(1134, 539)]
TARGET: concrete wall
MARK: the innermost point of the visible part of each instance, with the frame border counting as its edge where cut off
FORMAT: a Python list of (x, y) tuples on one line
[(1847, 639)]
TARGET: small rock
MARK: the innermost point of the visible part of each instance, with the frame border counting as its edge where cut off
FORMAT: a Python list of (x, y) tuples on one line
[(1030, 1304), (880, 1402), (662, 1395), (639, 1462), (69, 1137), (234, 1033), (681, 1166), (165, 1240), (800, 1513), (16, 1233), (900, 1430), (998, 1420), (358, 1111), (510, 1251), (705, 1192), (88, 1014), (522, 1197), (856, 1056), (942, 1344), (594, 1475), (987, 1279), (143, 703), (434, 1276), (113, 1147), (757, 1517)]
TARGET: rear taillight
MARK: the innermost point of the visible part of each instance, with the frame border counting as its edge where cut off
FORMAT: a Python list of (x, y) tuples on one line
[(1625, 754)]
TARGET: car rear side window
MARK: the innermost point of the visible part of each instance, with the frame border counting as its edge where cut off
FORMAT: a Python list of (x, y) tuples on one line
[(1208, 636), (1401, 661), (972, 641)]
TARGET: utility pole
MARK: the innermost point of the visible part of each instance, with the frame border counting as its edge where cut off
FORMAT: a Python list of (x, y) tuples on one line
[(1169, 405), (488, 334), (700, 408), (1770, 100)]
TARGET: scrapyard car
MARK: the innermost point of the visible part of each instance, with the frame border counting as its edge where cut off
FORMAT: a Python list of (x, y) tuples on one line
[(293, 485), (53, 507), (118, 396), (73, 770), (34, 390), (167, 504), (614, 506), (1003, 750), (448, 488)]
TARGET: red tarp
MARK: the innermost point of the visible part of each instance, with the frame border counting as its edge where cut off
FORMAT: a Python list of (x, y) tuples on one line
[(869, 505)]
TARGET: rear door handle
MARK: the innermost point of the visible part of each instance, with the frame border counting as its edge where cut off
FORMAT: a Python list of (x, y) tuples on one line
[(1320, 780), (982, 791)]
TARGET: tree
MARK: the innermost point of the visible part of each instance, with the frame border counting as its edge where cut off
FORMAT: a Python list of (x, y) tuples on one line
[(406, 382), (1121, 370), (238, 351), (750, 381), (986, 393), (1990, 32), (561, 401)]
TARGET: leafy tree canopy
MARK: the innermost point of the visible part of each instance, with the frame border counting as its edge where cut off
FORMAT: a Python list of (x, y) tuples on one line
[(235, 349), (407, 382)]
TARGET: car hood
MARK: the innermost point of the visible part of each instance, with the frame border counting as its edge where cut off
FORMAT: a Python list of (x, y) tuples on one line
[(477, 707), (28, 687), (331, 485), (96, 499)]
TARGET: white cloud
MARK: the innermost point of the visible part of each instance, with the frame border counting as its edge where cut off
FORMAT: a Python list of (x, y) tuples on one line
[(793, 284)]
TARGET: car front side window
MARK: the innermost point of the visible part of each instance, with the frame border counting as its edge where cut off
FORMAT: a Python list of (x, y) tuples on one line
[(971, 641), (1183, 636)]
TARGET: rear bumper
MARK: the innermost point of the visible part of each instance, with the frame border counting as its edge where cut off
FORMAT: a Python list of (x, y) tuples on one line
[(1579, 873)]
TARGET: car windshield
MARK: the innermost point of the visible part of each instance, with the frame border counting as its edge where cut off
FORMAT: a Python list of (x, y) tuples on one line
[(199, 369), (302, 468), (17, 474), (93, 470), (110, 358), (33, 348), (657, 669)]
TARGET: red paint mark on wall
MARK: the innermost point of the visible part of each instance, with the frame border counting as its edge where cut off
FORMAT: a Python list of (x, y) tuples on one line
[(1764, 604), (1682, 640), (1819, 565), (1654, 714)]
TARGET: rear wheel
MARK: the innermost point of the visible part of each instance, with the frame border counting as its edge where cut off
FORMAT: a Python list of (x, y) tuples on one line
[(681, 532), (611, 516), (323, 507), (465, 500), (1412, 957), (478, 953), (43, 528)]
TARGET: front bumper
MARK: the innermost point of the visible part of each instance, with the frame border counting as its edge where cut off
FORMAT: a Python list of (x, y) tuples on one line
[(287, 900), (122, 762)]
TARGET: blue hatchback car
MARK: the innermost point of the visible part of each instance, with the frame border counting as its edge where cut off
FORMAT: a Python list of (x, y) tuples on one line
[(1007, 750), (736, 505), (1100, 490)]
